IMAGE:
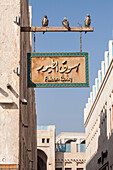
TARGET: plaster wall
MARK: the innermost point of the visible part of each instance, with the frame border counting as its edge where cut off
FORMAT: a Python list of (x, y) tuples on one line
[(9, 102), (18, 135)]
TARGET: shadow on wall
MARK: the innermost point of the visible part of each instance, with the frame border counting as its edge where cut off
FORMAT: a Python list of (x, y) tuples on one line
[(10, 106), (12, 90), (101, 159), (41, 160), (4, 93)]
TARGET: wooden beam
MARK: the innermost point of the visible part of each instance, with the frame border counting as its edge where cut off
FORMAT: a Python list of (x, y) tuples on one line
[(56, 29)]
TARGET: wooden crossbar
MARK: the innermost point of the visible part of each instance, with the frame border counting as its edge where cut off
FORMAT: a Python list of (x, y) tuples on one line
[(56, 29)]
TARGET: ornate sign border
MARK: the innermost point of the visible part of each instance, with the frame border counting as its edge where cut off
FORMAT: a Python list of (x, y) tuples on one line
[(55, 85)]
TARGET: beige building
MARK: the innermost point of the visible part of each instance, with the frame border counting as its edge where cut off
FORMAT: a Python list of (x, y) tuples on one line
[(70, 151), (46, 147), (65, 152), (18, 135), (98, 117)]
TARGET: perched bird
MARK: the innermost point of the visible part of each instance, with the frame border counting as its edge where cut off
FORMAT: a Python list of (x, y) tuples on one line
[(45, 22), (87, 21), (65, 23)]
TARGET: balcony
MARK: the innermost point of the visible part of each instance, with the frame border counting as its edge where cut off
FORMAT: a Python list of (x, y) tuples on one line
[(65, 147)]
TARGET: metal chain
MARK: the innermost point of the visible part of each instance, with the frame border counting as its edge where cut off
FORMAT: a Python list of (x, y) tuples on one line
[(80, 37), (34, 41), (80, 41)]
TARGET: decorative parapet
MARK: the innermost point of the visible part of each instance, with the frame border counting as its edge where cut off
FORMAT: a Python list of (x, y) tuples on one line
[(43, 128), (108, 55), (110, 51), (71, 160), (100, 77), (103, 69), (97, 84)]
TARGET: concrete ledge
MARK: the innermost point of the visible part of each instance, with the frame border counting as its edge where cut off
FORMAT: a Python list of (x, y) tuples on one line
[(7, 101)]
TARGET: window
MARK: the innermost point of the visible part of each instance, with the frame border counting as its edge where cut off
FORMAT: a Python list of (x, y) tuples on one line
[(67, 168), (43, 140), (48, 140), (58, 168), (81, 147), (79, 168)]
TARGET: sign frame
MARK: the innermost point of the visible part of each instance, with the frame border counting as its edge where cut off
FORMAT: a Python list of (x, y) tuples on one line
[(58, 54)]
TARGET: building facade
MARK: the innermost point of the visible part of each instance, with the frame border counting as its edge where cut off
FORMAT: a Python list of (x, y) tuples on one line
[(65, 152), (98, 117), (46, 148), (70, 151), (18, 134)]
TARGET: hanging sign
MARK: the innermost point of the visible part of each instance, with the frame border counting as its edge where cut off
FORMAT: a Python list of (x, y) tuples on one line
[(58, 69)]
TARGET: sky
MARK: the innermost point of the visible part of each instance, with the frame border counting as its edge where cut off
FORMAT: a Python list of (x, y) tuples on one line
[(64, 107)]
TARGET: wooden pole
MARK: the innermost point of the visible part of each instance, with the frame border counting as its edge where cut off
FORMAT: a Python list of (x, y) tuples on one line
[(56, 29)]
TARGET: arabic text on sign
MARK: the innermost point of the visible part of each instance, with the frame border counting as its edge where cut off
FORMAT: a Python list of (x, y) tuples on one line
[(61, 69)]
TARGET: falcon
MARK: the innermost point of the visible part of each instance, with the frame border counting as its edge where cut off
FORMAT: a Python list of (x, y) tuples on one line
[(45, 22), (87, 21), (65, 23)]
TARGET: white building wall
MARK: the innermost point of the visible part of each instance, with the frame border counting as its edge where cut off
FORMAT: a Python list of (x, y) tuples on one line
[(17, 121), (9, 103), (98, 132)]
